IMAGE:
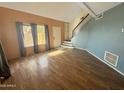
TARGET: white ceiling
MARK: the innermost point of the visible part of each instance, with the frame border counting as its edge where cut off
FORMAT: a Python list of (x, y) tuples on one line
[(59, 11), (99, 7)]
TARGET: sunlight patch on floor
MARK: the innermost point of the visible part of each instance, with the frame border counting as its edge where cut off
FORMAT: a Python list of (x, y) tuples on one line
[(43, 62), (55, 53)]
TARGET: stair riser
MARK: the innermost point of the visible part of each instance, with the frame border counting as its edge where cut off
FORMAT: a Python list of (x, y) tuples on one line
[(67, 46), (67, 42)]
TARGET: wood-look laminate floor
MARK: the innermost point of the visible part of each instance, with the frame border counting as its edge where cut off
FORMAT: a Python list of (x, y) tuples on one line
[(62, 69)]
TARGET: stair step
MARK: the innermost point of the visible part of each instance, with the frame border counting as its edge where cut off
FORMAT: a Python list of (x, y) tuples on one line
[(64, 46), (68, 40), (67, 44)]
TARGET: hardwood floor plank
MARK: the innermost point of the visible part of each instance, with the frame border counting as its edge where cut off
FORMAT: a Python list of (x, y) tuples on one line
[(62, 69)]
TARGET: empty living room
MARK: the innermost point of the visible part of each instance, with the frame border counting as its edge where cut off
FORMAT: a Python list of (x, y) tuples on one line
[(61, 45)]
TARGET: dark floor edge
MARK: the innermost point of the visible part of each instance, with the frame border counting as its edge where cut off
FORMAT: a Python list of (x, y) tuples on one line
[(121, 73)]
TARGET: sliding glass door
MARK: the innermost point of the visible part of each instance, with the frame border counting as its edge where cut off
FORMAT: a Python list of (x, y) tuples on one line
[(28, 38)]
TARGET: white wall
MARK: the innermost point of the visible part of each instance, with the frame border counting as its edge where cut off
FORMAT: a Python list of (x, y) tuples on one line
[(75, 21)]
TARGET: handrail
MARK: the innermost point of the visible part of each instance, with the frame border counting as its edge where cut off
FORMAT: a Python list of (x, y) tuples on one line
[(83, 18)]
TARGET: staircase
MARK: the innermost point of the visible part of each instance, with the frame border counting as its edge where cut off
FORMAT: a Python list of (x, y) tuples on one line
[(67, 44)]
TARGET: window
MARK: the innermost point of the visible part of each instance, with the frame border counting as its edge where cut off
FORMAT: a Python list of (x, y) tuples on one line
[(41, 34), (28, 39)]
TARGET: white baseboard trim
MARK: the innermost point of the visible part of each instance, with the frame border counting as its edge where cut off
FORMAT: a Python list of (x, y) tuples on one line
[(102, 61), (81, 48)]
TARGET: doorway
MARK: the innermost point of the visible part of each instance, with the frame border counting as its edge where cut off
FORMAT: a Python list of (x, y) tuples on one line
[(56, 36)]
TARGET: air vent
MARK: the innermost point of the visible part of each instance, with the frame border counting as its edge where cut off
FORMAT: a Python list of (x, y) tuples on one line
[(111, 58)]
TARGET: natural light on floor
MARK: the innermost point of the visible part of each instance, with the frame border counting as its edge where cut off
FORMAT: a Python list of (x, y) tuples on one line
[(56, 53), (43, 62)]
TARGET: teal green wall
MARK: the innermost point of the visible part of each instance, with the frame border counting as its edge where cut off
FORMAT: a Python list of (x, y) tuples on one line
[(104, 34)]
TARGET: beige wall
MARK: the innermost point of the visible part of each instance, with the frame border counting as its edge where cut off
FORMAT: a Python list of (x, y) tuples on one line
[(75, 21), (66, 27), (8, 30)]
